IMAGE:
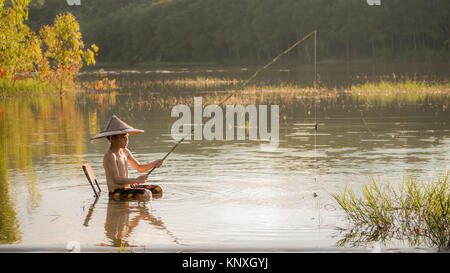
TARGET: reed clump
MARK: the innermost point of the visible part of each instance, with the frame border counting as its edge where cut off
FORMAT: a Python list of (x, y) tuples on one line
[(415, 212)]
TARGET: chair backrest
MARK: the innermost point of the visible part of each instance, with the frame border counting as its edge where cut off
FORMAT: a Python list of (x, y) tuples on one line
[(89, 172), (91, 177)]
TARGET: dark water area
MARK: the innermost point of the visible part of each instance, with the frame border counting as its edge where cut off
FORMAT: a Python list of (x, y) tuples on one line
[(236, 194)]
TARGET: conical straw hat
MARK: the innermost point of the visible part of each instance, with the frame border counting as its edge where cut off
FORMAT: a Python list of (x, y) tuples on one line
[(117, 127)]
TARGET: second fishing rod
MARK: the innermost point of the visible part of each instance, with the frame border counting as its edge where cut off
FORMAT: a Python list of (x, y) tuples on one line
[(244, 85)]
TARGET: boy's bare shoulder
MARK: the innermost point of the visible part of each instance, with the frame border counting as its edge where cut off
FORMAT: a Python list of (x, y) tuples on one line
[(126, 152), (109, 156)]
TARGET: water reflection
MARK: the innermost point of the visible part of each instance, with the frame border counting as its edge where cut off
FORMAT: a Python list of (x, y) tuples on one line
[(44, 141), (32, 128), (90, 212), (119, 226), (9, 229)]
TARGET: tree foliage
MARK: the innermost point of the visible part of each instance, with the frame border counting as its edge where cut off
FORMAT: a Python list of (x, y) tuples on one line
[(55, 53), (64, 46), (20, 47)]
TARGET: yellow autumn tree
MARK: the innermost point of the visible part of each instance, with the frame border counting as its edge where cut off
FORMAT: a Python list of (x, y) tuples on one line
[(54, 55), (64, 49), (20, 49)]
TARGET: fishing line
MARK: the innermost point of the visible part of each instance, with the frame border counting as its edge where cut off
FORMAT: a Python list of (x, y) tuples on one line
[(241, 87), (365, 123), (315, 135), (315, 59), (316, 126)]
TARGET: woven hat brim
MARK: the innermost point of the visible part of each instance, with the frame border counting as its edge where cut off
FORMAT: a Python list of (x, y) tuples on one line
[(118, 132)]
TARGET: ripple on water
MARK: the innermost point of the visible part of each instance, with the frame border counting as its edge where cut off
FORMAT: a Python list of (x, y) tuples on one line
[(176, 194)]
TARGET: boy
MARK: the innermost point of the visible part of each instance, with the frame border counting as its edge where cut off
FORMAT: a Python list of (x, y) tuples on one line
[(116, 159)]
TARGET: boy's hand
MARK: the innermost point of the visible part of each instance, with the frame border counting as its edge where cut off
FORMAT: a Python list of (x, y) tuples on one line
[(141, 179), (157, 163)]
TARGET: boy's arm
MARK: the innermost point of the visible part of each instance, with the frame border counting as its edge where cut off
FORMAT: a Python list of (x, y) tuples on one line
[(113, 171), (141, 167)]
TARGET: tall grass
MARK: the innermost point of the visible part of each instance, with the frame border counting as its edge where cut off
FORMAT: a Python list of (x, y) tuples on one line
[(28, 86), (418, 213)]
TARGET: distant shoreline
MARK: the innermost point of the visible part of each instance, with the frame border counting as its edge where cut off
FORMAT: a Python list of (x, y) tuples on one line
[(101, 64)]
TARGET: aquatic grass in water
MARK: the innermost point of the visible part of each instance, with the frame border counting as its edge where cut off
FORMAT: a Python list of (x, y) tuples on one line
[(35, 87), (401, 86), (418, 213), (200, 82)]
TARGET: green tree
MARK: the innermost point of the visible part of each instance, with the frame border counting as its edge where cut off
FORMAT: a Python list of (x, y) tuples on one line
[(65, 47)]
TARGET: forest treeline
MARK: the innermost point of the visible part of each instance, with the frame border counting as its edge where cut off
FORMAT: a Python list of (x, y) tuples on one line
[(256, 30)]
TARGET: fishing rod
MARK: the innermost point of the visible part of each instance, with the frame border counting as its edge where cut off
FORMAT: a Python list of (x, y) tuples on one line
[(242, 86)]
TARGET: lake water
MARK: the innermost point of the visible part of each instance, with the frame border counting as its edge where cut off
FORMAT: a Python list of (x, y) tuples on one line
[(218, 195)]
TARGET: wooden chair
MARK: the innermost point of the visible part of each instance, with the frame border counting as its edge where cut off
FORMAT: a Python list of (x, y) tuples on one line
[(91, 178)]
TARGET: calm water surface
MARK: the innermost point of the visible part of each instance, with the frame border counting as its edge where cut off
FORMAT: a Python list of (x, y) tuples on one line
[(230, 195)]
